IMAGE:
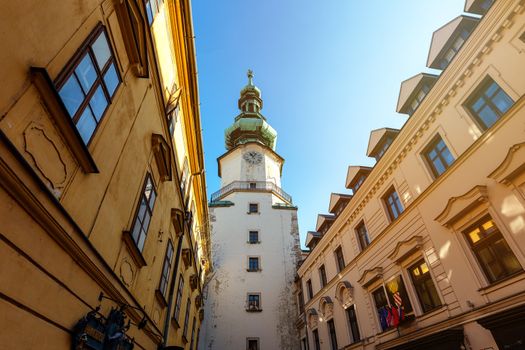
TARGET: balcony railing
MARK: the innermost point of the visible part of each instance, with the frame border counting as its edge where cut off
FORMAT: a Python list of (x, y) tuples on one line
[(255, 186)]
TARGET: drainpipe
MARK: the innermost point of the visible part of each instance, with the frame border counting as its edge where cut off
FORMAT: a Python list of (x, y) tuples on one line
[(171, 292)]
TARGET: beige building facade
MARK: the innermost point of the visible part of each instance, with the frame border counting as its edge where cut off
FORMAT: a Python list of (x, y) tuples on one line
[(103, 209), (428, 249)]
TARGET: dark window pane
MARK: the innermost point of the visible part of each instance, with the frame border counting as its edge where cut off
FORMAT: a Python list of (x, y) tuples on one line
[(101, 50), (71, 94), (98, 103), (488, 116), (142, 238), (86, 73), (111, 79), (86, 125), (502, 101)]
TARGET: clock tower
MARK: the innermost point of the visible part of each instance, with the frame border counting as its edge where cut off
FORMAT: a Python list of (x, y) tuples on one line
[(255, 240)]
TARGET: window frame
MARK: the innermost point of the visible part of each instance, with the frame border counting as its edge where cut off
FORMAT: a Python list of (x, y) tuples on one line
[(85, 49), (353, 324), (309, 288), (322, 276), (420, 281), (488, 242), (148, 210), (332, 333), (186, 319), (250, 241), (339, 259), (255, 205), (317, 343), (385, 199), (479, 92), (164, 278), (357, 229), (388, 297), (256, 340), (256, 302), (432, 146), (178, 301), (254, 258)]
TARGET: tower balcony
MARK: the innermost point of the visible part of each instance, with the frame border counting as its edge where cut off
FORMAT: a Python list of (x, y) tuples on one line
[(251, 186)]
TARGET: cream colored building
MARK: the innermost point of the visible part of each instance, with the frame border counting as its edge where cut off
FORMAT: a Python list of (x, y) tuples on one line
[(254, 231), (428, 252), (102, 195)]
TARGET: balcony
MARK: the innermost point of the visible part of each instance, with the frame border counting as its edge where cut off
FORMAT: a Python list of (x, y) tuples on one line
[(251, 186)]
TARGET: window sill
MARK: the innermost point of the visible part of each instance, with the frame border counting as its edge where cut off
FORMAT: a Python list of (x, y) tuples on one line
[(134, 251), (253, 213), (254, 270), (437, 310), (516, 277), (258, 242), (254, 310), (160, 298), (65, 125)]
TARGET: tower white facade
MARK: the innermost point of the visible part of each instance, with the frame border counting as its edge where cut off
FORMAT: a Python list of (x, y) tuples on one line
[(255, 241)]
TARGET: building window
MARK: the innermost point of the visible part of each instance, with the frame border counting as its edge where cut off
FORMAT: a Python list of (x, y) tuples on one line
[(254, 302), (333, 335), (425, 288), (384, 146), (454, 48), (339, 258), (488, 103), (301, 301), (166, 268), (253, 264), (253, 208), (352, 324), (392, 303), (144, 213), (315, 332), (310, 290), (362, 235), (87, 85), (252, 343), (322, 276), (178, 302), (253, 237), (418, 99), (438, 156), (358, 183), (253, 185), (192, 333), (303, 344), (186, 319), (152, 9), (393, 204), (492, 251)]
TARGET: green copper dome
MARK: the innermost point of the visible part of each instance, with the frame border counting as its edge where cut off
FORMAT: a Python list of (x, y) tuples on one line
[(250, 125)]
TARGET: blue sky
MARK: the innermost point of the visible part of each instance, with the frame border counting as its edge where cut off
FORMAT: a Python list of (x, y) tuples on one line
[(329, 73)]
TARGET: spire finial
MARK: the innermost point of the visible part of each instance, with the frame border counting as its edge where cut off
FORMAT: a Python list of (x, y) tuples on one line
[(250, 77)]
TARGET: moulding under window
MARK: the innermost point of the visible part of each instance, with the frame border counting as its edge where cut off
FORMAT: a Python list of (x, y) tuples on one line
[(258, 242), (162, 153), (254, 270), (457, 207), (254, 310), (177, 219), (311, 317), (133, 250), (512, 166), (161, 299), (370, 276), (326, 306), (57, 110), (132, 23), (405, 248)]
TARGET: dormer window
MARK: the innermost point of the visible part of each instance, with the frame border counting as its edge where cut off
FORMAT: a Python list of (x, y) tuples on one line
[(418, 99), (358, 183), (384, 146), (454, 48)]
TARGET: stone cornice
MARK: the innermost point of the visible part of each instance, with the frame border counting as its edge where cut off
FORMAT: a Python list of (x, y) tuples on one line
[(489, 31)]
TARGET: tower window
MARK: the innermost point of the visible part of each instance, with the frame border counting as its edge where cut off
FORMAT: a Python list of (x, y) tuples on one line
[(254, 302), (253, 208), (253, 264), (254, 237), (252, 343)]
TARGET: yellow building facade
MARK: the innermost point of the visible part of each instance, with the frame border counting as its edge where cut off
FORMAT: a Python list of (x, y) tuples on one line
[(427, 251), (103, 209)]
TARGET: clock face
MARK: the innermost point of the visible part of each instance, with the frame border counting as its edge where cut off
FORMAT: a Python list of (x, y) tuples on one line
[(253, 157)]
